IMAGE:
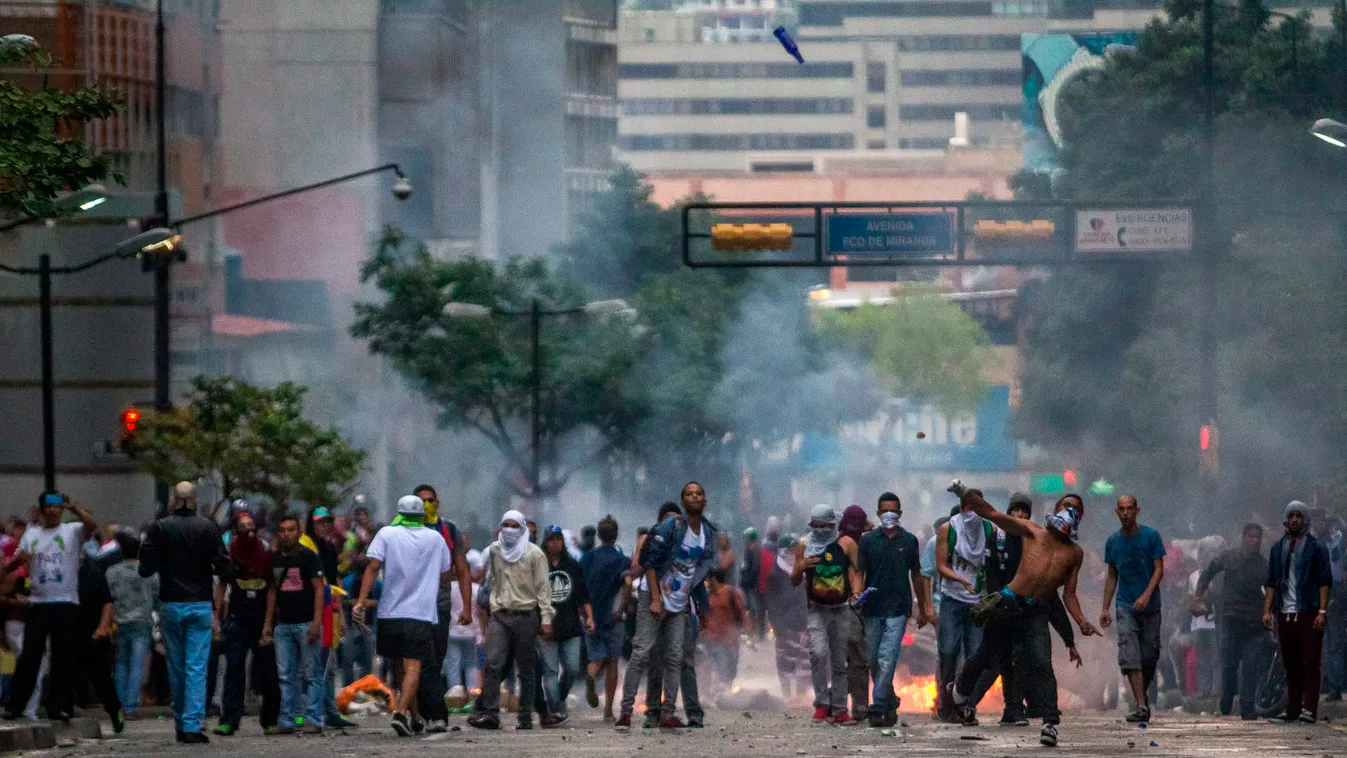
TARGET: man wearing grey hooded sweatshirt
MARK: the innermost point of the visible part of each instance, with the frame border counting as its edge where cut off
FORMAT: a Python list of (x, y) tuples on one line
[(826, 562), (1299, 578)]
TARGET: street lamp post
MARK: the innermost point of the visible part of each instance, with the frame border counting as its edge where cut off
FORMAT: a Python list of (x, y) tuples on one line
[(535, 314)]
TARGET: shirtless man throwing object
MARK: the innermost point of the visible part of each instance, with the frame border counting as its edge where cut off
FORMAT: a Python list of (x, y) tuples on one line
[(1051, 559)]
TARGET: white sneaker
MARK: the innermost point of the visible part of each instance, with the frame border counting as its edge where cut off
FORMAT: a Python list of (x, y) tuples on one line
[(457, 697), (438, 726)]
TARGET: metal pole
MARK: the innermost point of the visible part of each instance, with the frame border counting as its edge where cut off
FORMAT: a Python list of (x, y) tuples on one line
[(48, 385), (536, 390), (1208, 401), (162, 290)]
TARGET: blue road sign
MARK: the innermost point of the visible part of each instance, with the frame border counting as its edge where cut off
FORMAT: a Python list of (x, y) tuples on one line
[(915, 234)]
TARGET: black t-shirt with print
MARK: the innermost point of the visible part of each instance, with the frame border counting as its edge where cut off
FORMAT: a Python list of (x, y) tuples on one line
[(569, 592), (292, 577)]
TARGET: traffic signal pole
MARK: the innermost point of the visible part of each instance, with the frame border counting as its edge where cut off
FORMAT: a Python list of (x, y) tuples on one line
[(48, 383)]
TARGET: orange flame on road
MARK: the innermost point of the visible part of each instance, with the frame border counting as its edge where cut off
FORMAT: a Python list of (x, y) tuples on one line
[(918, 694)]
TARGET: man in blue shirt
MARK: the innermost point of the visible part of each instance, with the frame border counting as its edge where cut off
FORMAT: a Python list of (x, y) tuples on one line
[(1135, 557)]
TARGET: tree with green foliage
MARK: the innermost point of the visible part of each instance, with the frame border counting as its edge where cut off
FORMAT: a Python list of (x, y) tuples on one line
[(42, 151), (921, 346), (1110, 355), (246, 441), (479, 370)]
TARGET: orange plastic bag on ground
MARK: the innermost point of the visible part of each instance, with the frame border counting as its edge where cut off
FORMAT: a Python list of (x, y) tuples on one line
[(367, 683)]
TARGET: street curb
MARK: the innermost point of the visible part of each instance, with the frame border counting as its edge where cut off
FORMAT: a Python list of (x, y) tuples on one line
[(79, 728), (34, 736)]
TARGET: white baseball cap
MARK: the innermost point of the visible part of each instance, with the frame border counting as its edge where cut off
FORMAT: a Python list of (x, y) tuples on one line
[(411, 505)]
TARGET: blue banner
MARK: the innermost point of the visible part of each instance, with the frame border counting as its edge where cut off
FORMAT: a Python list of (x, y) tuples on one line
[(915, 234)]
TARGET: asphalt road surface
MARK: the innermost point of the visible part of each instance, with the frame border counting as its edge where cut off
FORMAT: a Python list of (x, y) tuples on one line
[(754, 735)]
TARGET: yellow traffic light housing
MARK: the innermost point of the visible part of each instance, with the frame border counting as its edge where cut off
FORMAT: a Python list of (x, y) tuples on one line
[(1013, 232), (742, 237)]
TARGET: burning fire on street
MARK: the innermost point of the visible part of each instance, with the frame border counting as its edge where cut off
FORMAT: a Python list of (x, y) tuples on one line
[(918, 693)]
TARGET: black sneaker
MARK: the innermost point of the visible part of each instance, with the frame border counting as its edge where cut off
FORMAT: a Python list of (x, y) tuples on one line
[(1048, 737), (651, 720), (118, 722), (554, 720), (1141, 715), (696, 722), (195, 738), (1285, 718), (591, 692), (418, 726), (403, 728), (1306, 717), (876, 720), (483, 721), (524, 725)]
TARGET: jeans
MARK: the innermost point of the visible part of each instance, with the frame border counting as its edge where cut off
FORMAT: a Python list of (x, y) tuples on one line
[(300, 666), (1243, 654), (509, 635), (1302, 648), (357, 650), (954, 633), (239, 640), (1335, 644), (430, 688), (564, 655), (884, 645), (722, 662), (687, 678), (460, 664), (666, 633), (187, 636), (858, 668), (829, 629), (1025, 632), (1204, 647), (133, 646)]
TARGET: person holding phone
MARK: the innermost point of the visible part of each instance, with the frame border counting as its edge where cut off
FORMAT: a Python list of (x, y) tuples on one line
[(51, 551)]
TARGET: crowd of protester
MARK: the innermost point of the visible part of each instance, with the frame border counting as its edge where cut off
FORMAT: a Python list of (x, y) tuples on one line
[(295, 610)]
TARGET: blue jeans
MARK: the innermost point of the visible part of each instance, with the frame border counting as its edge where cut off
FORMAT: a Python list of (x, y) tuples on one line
[(187, 635), (460, 663), (133, 644), (564, 654), (300, 667), (954, 633), (884, 645)]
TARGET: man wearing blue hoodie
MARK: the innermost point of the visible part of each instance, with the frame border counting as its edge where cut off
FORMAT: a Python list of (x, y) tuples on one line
[(1299, 578), (676, 557)]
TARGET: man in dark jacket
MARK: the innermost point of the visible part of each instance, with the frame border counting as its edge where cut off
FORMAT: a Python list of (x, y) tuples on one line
[(1299, 578), (186, 551), (1243, 641)]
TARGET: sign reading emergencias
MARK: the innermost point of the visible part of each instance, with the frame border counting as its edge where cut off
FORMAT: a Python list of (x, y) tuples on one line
[(1135, 230)]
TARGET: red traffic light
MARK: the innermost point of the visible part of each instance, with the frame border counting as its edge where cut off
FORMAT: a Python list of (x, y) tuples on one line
[(1069, 478), (130, 417), (1204, 438)]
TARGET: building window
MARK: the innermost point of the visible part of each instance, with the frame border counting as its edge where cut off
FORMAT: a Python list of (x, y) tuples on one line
[(875, 77), (942, 42), (1020, 8), (874, 117), (970, 78), (649, 35), (981, 112), (731, 106), (709, 142), (876, 144), (834, 14), (735, 70)]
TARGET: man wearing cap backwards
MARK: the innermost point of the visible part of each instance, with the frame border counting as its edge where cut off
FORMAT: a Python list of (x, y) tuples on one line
[(520, 609), (411, 557), (1299, 578), (1050, 559), (825, 561), (186, 551)]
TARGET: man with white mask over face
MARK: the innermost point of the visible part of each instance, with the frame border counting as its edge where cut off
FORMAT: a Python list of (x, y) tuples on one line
[(521, 600), (825, 561)]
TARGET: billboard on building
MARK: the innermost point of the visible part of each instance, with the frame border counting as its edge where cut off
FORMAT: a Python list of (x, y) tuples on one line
[(1052, 61), (914, 437)]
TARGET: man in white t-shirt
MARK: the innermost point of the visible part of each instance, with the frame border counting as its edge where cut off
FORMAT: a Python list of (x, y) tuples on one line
[(409, 555), (52, 551)]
